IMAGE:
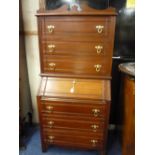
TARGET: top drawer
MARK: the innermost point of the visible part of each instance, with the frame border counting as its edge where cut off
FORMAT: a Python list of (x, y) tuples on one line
[(76, 28)]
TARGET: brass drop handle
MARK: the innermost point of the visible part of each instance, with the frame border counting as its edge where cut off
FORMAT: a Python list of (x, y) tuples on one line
[(49, 109), (51, 47), (51, 139), (50, 28), (94, 127), (52, 66), (96, 112), (99, 28), (50, 123), (99, 49), (93, 141), (98, 67)]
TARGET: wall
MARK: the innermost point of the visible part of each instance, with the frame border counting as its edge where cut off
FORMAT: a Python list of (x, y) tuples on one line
[(29, 8)]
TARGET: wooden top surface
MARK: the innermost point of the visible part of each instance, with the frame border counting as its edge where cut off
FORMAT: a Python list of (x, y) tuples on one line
[(86, 10)]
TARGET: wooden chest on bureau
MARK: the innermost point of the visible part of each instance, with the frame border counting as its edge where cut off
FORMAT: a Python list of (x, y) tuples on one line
[(74, 94)]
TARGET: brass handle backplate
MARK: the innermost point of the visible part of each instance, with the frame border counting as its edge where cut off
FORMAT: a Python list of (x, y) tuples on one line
[(98, 67), (52, 66), (50, 28), (99, 49), (49, 107), (51, 48), (51, 123), (94, 142), (99, 28), (50, 137), (96, 112)]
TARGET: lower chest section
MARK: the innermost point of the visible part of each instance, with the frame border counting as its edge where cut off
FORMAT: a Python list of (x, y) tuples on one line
[(76, 124), (74, 112)]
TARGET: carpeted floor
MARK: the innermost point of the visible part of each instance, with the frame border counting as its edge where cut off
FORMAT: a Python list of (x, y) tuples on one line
[(33, 146)]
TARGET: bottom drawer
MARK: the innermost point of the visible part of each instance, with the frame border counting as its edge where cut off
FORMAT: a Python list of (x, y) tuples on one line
[(73, 141)]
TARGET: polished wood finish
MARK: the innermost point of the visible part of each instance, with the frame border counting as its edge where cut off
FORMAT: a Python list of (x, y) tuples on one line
[(84, 27), (128, 136), (74, 95), (83, 89), (82, 48), (84, 112), (84, 38), (77, 65), (72, 141)]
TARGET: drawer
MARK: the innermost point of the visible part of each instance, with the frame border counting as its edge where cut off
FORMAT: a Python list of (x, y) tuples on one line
[(62, 131), (75, 116), (55, 123), (81, 89), (76, 48), (53, 27), (75, 30), (77, 65), (69, 108), (76, 140)]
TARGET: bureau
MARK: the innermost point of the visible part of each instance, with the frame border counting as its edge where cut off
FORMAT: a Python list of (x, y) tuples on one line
[(76, 50)]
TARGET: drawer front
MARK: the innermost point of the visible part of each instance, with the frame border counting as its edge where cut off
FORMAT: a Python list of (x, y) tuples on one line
[(76, 140), (72, 132), (70, 28), (65, 88), (76, 109), (76, 48), (77, 65), (54, 123), (75, 116), (76, 29), (97, 27)]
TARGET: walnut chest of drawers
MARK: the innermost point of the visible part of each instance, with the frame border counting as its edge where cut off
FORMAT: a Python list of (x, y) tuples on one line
[(74, 96)]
